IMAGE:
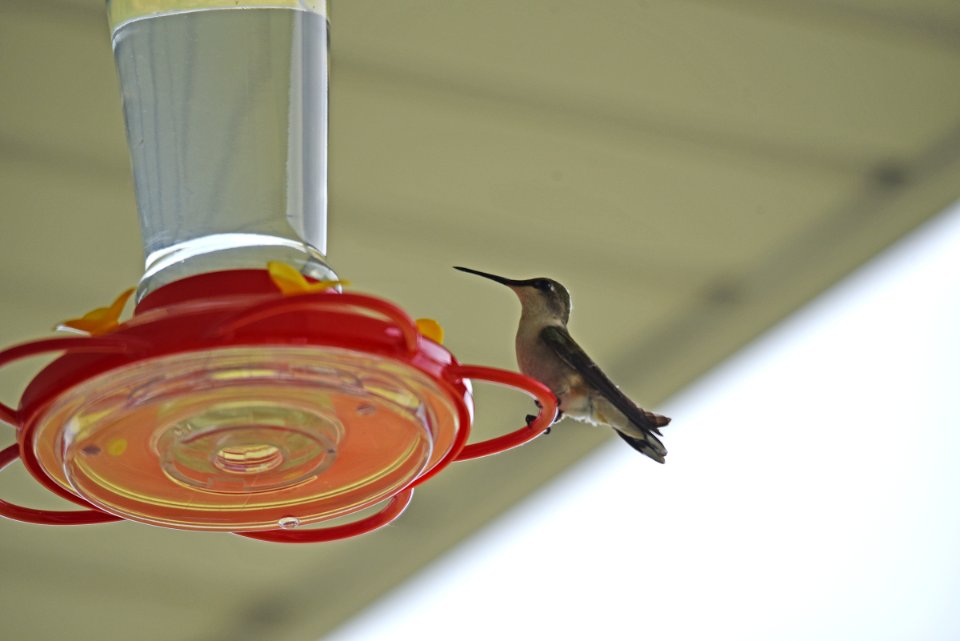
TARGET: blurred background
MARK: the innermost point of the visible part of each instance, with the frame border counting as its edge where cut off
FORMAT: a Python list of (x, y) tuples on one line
[(695, 172)]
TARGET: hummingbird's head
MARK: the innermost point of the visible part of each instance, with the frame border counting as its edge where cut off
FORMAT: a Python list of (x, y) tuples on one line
[(541, 298)]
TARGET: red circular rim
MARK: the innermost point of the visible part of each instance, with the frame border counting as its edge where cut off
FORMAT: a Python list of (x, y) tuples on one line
[(48, 517), (393, 509), (534, 388), (75, 344)]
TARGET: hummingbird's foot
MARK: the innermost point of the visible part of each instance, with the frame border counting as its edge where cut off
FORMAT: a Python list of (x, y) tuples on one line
[(532, 417), (556, 419)]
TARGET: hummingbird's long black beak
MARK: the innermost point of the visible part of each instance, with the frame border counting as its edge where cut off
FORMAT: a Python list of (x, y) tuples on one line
[(509, 282)]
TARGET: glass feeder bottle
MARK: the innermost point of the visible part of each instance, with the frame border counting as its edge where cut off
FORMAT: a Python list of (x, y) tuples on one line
[(225, 106)]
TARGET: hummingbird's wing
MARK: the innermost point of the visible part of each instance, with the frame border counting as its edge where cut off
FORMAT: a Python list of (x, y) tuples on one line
[(560, 341)]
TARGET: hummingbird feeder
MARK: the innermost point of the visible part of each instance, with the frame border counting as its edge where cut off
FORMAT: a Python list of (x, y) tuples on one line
[(247, 393)]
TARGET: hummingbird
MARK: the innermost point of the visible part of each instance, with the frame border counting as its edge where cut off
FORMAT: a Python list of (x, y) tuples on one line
[(547, 353)]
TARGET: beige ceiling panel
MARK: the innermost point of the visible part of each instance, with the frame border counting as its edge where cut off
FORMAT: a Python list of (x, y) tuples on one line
[(922, 22), (671, 65), (60, 89), (134, 612), (556, 185), (945, 12), (68, 231)]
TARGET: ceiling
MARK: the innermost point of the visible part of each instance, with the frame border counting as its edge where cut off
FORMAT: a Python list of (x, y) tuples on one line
[(693, 171)]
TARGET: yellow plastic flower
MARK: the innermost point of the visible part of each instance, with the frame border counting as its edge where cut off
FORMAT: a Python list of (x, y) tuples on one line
[(101, 320), (431, 329), (291, 282)]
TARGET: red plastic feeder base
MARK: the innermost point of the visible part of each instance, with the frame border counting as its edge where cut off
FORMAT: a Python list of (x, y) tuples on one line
[(225, 405)]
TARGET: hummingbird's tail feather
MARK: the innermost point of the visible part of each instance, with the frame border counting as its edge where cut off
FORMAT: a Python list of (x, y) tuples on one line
[(648, 444), (640, 435), (657, 420)]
